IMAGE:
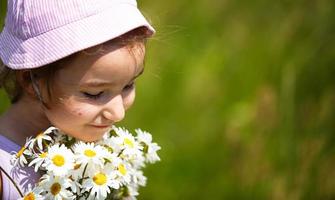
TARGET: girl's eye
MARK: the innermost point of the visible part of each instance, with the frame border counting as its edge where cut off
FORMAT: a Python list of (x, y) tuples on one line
[(129, 86), (92, 96)]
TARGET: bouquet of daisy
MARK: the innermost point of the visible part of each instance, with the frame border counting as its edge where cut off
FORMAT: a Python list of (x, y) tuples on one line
[(71, 169)]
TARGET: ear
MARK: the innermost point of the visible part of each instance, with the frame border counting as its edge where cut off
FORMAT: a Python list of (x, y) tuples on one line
[(23, 78)]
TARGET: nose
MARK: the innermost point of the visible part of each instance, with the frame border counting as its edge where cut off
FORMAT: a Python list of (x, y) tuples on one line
[(114, 110)]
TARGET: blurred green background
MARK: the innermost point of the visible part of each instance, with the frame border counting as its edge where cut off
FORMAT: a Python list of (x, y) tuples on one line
[(241, 97)]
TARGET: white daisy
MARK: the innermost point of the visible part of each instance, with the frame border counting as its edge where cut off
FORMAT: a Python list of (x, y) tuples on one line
[(89, 154), (138, 178), (127, 142), (77, 172), (110, 144), (132, 193), (75, 186), (19, 158), (88, 170), (32, 196), (43, 136), (56, 187), (59, 160), (59, 138), (137, 161), (100, 182), (128, 192), (38, 160), (123, 172), (107, 134), (149, 148)]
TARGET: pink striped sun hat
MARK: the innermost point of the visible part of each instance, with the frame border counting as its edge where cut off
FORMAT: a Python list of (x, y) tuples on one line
[(39, 32)]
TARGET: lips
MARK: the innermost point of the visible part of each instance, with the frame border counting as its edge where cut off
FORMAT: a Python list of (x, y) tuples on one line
[(101, 126)]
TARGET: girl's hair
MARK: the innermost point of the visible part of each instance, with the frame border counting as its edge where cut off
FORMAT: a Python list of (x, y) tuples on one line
[(134, 40)]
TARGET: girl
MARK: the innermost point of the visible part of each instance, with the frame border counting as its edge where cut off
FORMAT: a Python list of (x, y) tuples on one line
[(70, 64)]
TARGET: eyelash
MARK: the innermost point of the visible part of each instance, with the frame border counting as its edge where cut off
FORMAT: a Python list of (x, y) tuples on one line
[(92, 96), (129, 86), (96, 96)]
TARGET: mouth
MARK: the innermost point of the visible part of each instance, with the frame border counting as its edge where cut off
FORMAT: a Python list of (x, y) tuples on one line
[(101, 126)]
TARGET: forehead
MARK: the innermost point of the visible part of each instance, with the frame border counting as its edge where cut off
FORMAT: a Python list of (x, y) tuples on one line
[(108, 63)]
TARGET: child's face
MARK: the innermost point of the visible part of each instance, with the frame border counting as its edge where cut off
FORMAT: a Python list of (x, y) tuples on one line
[(93, 91)]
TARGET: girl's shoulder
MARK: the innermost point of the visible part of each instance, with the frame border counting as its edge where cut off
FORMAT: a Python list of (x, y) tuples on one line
[(24, 178), (8, 145), (7, 148)]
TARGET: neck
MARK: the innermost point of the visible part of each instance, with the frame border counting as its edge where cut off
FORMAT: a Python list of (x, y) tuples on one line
[(23, 119)]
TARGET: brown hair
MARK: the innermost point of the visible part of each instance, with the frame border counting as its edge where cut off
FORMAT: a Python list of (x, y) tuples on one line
[(13, 87)]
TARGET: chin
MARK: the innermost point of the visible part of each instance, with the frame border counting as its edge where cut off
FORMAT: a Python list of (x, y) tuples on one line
[(89, 140), (87, 134), (91, 136)]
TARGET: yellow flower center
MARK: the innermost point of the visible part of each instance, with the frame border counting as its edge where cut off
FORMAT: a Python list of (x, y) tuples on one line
[(58, 160), (43, 155), (89, 153), (128, 142), (39, 135), (29, 196), (100, 179), (20, 152), (122, 169), (76, 166), (55, 188)]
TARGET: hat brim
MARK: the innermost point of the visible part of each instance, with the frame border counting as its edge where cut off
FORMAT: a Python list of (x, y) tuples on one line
[(58, 43)]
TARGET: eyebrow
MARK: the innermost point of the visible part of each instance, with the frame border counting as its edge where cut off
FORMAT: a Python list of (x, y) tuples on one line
[(103, 83)]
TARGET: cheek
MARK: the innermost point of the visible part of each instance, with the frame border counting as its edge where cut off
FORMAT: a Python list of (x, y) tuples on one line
[(68, 111), (129, 100), (76, 112)]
